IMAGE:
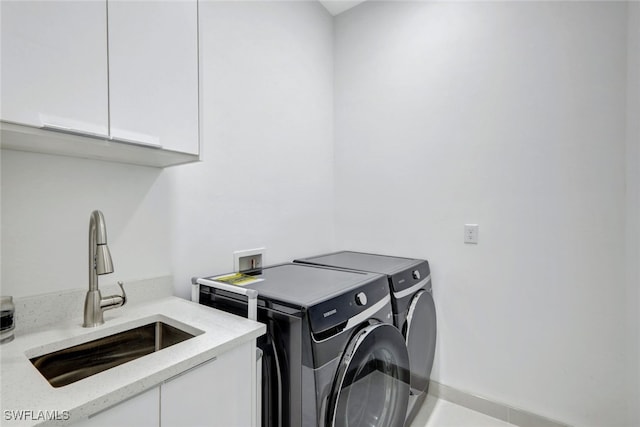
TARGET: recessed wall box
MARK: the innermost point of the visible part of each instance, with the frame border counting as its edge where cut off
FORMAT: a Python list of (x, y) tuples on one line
[(248, 259)]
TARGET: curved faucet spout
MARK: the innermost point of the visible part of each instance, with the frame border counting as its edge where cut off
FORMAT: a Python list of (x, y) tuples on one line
[(100, 228), (99, 256)]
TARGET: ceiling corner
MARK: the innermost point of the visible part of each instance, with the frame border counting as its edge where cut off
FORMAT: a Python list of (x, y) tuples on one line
[(335, 7)]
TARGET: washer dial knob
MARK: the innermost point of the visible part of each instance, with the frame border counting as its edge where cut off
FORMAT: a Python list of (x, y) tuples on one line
[(416, 274), (361, 298)]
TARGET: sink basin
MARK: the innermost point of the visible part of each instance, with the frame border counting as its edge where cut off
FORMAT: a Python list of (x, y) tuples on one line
[(72, 364)]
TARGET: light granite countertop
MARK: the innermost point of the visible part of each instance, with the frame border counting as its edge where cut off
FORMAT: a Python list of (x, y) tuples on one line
[(23, 388)]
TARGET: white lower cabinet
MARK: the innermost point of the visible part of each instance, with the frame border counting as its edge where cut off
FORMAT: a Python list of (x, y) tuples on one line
[(220, 392), (217, 393)]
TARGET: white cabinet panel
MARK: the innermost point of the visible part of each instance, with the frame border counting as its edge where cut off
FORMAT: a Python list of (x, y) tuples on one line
[(54, 64), (142, 410), (217, 393), (153, 72), (220, 392)]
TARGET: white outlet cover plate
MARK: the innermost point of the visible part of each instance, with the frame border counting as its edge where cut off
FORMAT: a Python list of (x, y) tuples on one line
[(471, 233)]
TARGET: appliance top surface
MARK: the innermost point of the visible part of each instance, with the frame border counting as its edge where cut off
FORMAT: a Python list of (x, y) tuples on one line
[(306, 285), (362, 261)]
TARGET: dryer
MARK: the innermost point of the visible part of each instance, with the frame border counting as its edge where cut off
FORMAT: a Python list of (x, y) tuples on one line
[(332, 356), (414, 312)]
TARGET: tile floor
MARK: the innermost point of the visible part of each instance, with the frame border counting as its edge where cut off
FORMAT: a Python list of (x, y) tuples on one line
[(441, 413)]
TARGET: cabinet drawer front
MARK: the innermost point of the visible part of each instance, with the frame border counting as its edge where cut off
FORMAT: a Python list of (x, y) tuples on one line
[(142, 410)]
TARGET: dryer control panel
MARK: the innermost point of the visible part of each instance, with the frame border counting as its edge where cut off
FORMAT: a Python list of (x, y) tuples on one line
[(332, 316)]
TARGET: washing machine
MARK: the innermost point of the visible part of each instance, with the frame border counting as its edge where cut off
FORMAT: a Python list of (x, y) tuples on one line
[(331, 356), (414, 310)]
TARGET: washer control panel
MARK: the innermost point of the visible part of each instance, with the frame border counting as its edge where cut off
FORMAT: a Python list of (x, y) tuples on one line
[(338, 310)]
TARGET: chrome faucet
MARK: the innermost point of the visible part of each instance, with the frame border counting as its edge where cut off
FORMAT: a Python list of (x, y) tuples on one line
[(99, 263)]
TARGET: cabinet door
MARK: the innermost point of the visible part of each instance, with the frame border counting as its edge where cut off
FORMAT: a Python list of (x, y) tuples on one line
[(54, 64), (217, 393), (153, 72), (142, 410)]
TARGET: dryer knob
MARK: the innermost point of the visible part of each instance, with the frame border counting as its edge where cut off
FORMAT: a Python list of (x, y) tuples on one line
[(416, 274), (361, 298)]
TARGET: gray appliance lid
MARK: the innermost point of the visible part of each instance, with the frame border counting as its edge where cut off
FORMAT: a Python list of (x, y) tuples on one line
[(305, 285), (384, 264)]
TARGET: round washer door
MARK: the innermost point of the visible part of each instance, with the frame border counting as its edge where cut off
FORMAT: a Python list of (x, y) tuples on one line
[(420, 333), (371, 388)]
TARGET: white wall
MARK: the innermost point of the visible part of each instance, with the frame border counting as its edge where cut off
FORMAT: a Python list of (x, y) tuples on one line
[(46, 205), (509, 115), (267, 135), (265, 180), (512, 116), (632, 157)]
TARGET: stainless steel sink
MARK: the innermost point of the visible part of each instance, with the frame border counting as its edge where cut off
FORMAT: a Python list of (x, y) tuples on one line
[(72, 364)]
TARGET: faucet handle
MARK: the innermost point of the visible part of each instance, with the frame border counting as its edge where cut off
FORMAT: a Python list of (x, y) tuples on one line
[(124, 294), (113, 301)]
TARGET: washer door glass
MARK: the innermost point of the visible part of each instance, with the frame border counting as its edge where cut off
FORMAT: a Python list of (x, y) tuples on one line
[(420, 332), (371, 388)]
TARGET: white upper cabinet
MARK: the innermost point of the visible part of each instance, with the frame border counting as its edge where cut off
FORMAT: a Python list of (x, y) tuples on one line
[(153, 73), (113, 78), (54, 64)]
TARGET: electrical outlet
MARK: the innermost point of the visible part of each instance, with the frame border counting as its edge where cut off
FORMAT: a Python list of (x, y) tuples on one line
[(471, 233), (248, 259)]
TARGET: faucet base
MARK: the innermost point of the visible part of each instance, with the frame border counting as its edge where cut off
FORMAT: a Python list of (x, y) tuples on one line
[(92, 312)]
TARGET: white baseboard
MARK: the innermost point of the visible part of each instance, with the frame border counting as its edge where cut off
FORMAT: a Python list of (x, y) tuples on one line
[(491, 408)]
